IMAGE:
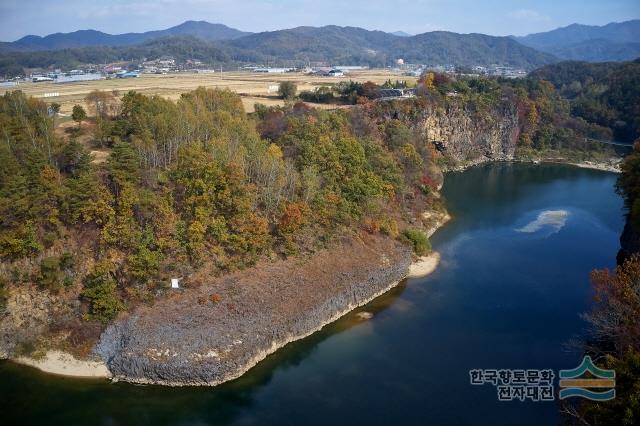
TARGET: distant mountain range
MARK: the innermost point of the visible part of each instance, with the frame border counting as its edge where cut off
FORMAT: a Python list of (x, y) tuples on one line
[(86, 38), (611, 42), (296, 46), (219, 44), (356, 45)]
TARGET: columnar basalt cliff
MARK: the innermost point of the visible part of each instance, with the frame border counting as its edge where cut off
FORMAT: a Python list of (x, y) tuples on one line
[(471, 136), (462, 132), (216, 332)]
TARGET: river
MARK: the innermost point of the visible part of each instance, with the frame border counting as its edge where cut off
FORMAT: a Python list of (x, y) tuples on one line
[(513, 280)]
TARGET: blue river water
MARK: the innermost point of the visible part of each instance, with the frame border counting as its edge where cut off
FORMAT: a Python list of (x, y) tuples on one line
[(508, 294)]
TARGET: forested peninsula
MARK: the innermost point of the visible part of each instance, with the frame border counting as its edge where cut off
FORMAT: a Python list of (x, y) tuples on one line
[(274, 223)]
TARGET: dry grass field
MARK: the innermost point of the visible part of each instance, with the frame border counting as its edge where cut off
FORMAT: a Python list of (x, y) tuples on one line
[(253, 87)]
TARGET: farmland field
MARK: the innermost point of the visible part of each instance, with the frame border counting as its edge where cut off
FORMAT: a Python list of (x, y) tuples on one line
[(253, 87)]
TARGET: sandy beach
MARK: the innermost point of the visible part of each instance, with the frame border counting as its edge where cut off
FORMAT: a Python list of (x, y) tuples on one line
[(424, 265), (62, 363)]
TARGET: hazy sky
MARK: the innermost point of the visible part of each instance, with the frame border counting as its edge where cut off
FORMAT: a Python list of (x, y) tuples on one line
[(41, 17)]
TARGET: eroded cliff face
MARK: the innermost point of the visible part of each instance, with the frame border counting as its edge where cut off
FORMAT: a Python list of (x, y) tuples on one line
[(27, 316), (472, 137), (217, 331)]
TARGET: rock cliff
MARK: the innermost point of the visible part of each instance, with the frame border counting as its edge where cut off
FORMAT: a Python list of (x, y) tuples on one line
[(472, 137), (26, 317), (217, 331)]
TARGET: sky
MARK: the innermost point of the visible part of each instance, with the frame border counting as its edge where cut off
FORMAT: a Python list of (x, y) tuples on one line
[(41, 17)]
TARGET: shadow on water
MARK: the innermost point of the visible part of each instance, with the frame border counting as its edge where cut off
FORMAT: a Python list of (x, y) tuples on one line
[(30, 396)]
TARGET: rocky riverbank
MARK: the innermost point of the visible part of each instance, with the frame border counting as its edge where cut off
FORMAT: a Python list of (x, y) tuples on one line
[(605, 167), (613, 165), (218, 331)]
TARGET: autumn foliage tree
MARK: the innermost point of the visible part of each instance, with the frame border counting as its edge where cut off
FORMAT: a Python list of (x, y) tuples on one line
[(615, 320), (616, 315)]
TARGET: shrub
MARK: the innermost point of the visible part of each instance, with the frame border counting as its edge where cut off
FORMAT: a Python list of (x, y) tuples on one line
[(50, 276), (287, 90), (419, 240), (321, 95), (25, 348), (19, 242), (389, 227), (67, 262), (56, 272), (101, 292), (144, 265)]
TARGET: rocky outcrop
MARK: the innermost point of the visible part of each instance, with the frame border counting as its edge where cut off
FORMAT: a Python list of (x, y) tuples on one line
[(217, 331), (472, 137), (26, 317)]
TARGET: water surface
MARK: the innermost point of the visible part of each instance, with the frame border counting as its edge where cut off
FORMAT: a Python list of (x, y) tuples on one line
[(508, 293)]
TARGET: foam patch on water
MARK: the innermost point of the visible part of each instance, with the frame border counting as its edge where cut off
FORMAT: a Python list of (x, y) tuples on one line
[(554, 219)]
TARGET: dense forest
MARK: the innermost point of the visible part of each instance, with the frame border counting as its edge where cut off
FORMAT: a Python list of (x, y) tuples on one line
[(198, 185), (603, 93), (545, 117), (188, 184)]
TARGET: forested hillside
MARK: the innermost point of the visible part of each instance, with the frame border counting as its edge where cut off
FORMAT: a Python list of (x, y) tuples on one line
[(83, 38), (181, 48), (606, 93), (198, 186), (296, 47), (616, 41), (187, 185)]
